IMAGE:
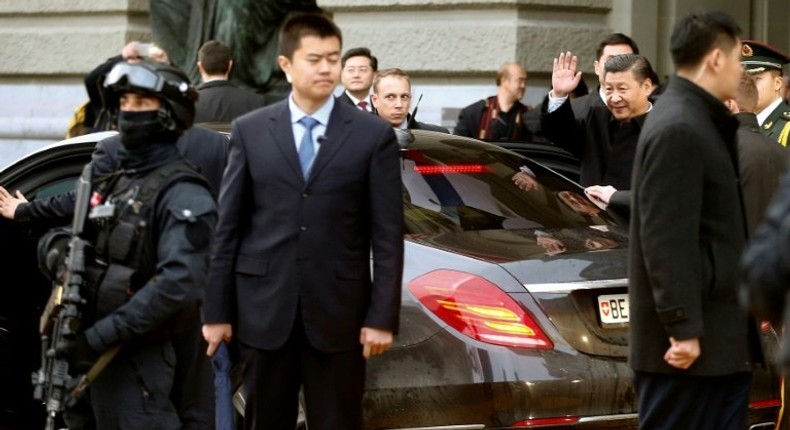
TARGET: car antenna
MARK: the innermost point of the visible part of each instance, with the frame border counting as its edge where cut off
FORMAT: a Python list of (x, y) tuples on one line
[(413, 119)]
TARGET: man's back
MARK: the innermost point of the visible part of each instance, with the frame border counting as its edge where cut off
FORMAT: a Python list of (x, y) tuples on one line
[(687, 231), (223, 101)]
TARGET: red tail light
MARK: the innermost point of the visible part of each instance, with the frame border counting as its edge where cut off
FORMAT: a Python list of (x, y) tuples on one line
[(479, 309), (546, 422), (762, 404), (445, 169)]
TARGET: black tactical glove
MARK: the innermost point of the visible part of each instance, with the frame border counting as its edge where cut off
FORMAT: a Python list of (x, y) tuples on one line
[(79, 354)]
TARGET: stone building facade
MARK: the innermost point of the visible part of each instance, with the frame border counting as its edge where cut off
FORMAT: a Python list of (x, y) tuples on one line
[(452, 48)]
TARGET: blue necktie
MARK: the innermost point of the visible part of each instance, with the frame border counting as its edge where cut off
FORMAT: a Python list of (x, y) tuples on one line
[(306, 150)]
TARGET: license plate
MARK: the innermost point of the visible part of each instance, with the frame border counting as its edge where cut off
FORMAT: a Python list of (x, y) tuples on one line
[(613, 308)]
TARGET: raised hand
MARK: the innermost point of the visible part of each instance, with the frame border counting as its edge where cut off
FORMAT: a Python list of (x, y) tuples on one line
[(564, 77)]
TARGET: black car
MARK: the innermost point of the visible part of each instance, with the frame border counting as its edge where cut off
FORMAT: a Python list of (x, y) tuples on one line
[(514, 314)]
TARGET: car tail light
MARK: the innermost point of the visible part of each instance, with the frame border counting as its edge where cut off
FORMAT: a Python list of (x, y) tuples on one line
[(545, 422), (453, 168), (479, 309), (768, 403)]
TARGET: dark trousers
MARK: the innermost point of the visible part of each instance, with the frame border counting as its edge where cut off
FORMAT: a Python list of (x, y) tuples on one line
[(333, 384), (675, 402), (133, 391)]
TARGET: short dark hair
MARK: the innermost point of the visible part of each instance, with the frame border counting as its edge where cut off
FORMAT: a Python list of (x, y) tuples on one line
[(304, 24), (615, 39), (395, 72), (637, 64), (360, 52), (698, 34), (214, 56)]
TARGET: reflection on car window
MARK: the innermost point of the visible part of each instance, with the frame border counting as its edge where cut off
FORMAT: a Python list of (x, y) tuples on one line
[(468, 187)]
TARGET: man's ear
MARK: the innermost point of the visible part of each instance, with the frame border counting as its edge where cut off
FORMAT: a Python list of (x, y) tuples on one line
[(374, 98), (715, 60), (778, 83), (230, 67), (200, 67), (285, 66), (597, 67)]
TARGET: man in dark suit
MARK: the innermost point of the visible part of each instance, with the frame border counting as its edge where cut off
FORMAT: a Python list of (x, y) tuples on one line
[(691, 345), (605, 139), (220, 100), (358, 68), (312, 187), (392, 100)]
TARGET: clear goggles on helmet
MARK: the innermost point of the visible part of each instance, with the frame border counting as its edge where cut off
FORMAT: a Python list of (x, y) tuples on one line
[(134, 76)]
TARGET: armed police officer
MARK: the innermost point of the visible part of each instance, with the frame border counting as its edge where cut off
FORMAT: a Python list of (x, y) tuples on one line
[(150, 222)]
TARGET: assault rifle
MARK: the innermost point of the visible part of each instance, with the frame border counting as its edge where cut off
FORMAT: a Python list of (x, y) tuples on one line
[(62, 318)]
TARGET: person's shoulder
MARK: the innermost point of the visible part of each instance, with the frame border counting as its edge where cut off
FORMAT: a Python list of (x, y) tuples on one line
[(202, 137), (476, 106), (358, 117), (254, 117), (431, 127)]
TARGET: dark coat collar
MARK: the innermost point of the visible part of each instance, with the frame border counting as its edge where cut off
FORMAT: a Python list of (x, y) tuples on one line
[(215, 84)]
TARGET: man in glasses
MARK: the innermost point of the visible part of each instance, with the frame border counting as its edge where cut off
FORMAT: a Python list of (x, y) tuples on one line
[(358, 68), (392, 100), (150, 223)]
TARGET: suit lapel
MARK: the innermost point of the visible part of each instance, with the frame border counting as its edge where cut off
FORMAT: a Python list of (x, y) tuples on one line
[(283, 136), (336, 133)]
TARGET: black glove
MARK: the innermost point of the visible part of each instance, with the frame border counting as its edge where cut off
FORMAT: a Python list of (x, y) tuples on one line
[(79, 354)]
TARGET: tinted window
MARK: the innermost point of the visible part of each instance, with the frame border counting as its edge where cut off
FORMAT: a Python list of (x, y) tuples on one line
[(467, 186)]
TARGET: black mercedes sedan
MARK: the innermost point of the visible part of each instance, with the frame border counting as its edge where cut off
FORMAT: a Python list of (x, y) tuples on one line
[(515, 307)]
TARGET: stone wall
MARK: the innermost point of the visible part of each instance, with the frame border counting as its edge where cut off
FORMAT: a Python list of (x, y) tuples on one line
[(452, 48), (47, 47)]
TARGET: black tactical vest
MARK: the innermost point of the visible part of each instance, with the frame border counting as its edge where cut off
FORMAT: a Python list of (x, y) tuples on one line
[(125, 239)]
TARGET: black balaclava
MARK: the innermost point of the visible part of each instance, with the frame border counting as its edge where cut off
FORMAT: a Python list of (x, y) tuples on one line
[(142, 128)]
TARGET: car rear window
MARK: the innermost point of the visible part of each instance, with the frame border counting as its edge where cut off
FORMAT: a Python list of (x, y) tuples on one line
[(469, 186)]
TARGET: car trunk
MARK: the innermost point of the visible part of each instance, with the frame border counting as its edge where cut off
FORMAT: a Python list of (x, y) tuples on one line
[(570, 272)]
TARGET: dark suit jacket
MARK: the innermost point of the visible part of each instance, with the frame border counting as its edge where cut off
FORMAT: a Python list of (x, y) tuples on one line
[(582, 105), (343, 97), (687, 233), (762, 163), (417, 125), (205, 149), (283, 244), (604, 145), (468, 123), (223, 101)]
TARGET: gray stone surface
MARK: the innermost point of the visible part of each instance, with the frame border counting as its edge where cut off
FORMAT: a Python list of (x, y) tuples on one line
[(452, 48)]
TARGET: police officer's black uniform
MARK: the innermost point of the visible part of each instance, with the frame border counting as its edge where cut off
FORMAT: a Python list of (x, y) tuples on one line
[(151, 224)]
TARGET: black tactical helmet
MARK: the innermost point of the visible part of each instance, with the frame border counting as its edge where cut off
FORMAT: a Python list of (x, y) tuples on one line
[(169, 84)]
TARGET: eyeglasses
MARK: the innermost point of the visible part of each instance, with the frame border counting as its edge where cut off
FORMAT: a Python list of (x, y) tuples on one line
[(360, 69), (134, 75), (390, 98)]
